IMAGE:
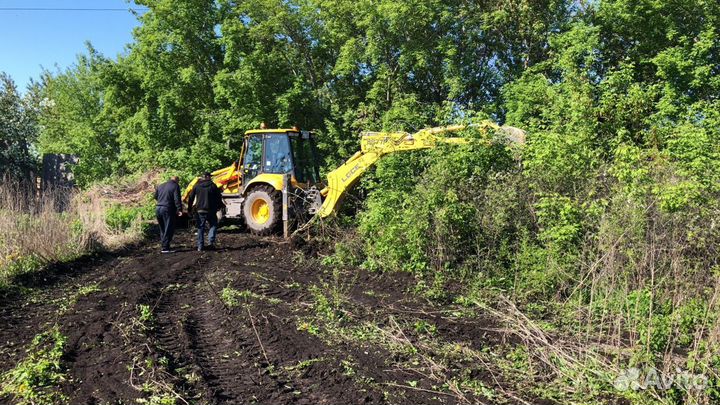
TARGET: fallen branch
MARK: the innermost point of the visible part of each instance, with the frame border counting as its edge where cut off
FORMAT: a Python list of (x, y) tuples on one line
[(257, 335), (419, 389)]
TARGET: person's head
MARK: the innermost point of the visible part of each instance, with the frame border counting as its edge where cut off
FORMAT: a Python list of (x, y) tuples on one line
[(175, 179), (207, 176)]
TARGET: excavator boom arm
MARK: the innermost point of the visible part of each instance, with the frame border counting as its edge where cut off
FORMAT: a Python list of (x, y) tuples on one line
[(375, 145)]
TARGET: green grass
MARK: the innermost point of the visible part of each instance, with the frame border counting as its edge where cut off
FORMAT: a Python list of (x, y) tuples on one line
[(16, 267), (35, 380), (119, 217), (145, 316)]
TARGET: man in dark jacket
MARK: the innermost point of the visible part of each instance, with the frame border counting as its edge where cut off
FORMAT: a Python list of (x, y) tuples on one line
[(206, 197), (168, 206)]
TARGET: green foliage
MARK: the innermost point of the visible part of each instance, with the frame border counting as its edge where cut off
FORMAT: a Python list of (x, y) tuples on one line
[(18, 129), (18, 266), (119, 217), (424, 208), (35, 380), (74, 118), (200, 72), (328, 300), (145, 314), (615, 203), (424, 327), (231, 297)]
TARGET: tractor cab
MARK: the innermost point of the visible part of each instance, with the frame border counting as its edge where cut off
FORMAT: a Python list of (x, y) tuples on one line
[(268, 154)]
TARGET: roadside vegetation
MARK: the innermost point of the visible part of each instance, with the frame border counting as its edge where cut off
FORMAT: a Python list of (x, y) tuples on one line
[(33, 232), (602, 230), (594, 245), (36, 378), (42, 227)]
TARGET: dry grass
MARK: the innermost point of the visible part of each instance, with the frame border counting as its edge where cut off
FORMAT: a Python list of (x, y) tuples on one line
[(37, 228), (647, 296), (33, 229)]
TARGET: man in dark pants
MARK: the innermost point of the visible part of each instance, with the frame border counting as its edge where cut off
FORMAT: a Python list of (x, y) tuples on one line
[(168, 206), (209, 201)]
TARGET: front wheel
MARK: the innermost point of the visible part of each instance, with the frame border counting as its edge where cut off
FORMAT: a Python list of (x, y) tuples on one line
[(262, 210)]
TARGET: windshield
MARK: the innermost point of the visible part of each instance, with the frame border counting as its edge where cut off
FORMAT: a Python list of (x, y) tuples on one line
[(277, 154)]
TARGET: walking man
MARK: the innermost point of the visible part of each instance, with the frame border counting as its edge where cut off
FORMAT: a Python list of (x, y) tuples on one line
[(168, 207), (207, 198)]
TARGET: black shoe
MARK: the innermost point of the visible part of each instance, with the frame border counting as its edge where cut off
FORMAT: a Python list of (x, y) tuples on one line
[(210, 247)]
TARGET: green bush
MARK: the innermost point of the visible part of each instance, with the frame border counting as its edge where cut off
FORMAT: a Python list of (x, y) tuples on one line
[(120, 218), (425, 211), (19, 266)]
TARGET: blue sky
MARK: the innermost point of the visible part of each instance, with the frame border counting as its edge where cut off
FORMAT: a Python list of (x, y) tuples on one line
[(31, 40)]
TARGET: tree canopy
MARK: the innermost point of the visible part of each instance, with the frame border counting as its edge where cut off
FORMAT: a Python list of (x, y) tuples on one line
[(18, 130), (201, 71)]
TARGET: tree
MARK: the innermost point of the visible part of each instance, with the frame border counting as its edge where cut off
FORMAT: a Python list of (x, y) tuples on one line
[(18, 131), (75, 118)]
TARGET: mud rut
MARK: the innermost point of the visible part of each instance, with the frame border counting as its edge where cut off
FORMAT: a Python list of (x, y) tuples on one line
[(212, 353)]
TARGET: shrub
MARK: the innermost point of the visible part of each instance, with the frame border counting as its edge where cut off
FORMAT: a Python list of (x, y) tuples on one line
[(426, 210), (120, 218), (36, 378)]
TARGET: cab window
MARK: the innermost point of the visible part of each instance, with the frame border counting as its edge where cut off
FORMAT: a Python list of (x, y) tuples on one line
[(277, 154), (253, 156)]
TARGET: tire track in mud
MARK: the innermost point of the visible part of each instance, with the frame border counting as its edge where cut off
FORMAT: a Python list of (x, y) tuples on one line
[(282, 293), (101, 347), (250, 353), (290, 284), (243, 360), (231, 365), (279, 297), (219, 354)]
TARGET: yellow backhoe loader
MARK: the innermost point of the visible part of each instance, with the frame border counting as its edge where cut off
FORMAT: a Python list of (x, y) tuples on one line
[(270, 158)]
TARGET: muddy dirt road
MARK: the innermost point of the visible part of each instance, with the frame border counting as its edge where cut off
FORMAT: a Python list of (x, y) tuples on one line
[(253, 322)]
